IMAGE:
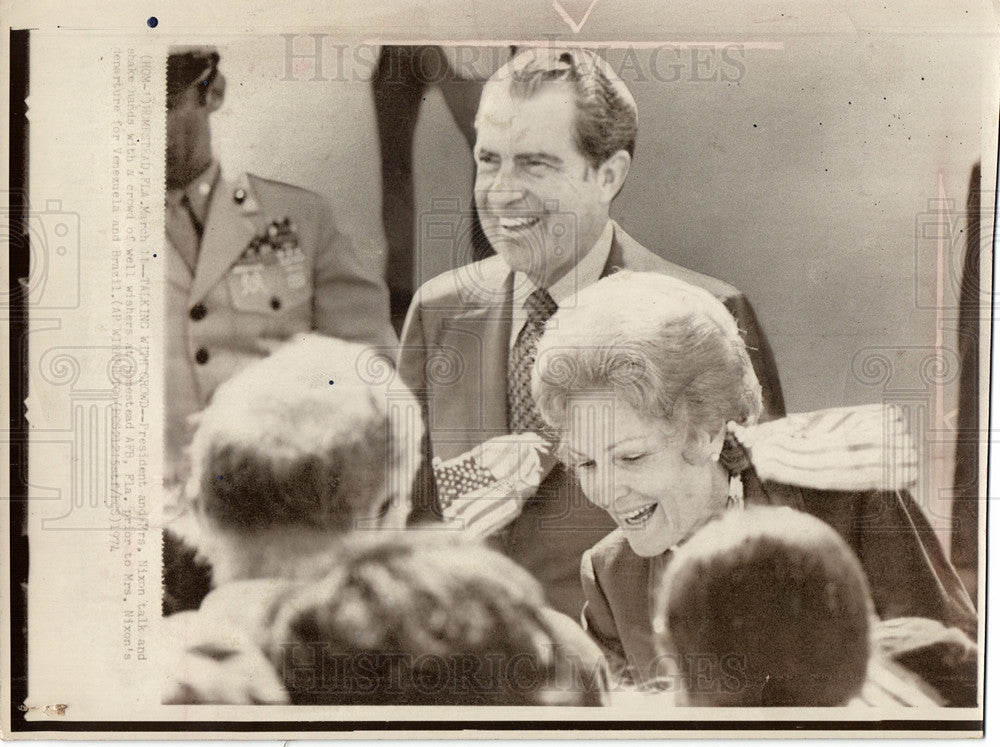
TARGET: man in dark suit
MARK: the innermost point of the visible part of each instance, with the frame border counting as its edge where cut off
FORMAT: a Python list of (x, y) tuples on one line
[(556, 132)]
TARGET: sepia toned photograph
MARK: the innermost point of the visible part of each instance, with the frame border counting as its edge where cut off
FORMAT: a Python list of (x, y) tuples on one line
[(561, 369)]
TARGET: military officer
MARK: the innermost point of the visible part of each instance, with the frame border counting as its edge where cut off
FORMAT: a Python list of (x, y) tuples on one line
[(249, 263)]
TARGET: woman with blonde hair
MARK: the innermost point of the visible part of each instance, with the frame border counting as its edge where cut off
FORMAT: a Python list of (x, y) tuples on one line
[(649, 383)]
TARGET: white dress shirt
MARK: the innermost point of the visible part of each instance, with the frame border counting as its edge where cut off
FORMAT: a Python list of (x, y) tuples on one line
[(586, 272)]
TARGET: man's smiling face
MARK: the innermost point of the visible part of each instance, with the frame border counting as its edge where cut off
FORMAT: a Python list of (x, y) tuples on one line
[(539, 200)]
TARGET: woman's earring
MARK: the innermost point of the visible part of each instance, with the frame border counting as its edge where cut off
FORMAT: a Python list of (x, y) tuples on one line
[(715, 457), (735, 498)]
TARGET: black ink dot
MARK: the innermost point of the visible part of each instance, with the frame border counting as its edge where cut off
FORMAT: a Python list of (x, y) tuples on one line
[(220, 477), (152, 22), (154, 255), (331, 382), (755, 125)]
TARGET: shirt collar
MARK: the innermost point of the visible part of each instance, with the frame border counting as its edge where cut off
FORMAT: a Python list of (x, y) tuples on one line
[(199, 191), (586, 272)]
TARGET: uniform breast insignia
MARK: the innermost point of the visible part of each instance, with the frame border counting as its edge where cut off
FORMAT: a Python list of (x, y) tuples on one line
[(278, 241), (286, 242), (272, 264)]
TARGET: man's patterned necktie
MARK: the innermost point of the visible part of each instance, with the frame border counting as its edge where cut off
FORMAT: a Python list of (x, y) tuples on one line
[(522, 414)]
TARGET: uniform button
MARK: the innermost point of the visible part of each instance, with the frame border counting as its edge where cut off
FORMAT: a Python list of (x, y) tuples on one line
[(198, 312), (239, 196), (275, 303), (201, 356)]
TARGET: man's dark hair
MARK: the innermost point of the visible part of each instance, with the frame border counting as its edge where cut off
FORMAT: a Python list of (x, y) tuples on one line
[(767, 607), (606, 115)]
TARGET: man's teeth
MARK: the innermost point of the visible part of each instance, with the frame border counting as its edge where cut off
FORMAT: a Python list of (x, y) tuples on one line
[(640, 515), (519, 222)]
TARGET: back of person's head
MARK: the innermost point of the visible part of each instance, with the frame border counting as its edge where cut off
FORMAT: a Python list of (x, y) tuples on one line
[(421, 618), (607, 119), (767, 607), (944, 657), (297, 448)]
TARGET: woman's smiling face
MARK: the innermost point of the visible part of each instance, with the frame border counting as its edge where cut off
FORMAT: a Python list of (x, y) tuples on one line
[(634, 467)]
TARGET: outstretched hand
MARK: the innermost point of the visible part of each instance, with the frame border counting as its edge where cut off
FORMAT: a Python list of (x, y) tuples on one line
[(485, 489)]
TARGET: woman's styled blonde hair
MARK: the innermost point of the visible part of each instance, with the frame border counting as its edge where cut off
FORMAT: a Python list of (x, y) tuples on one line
[(669, 349)]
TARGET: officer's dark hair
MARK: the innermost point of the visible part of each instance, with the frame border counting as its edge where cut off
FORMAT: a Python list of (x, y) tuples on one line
[(191, 67)]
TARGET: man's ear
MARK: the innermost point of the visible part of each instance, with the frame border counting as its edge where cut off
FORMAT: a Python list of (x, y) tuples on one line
[(611, 174), (216, 93)]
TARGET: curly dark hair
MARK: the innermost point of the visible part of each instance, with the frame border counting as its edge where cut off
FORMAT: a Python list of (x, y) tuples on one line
[(420, 618)]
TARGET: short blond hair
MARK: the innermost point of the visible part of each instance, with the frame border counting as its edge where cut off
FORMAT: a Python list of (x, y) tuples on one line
[(310, 438)]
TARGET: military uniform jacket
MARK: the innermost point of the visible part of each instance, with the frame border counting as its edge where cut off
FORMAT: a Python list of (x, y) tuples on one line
[(271, 264), (454, 356)]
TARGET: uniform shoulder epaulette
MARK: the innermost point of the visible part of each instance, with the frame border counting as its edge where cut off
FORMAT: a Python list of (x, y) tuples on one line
[(252, 179)]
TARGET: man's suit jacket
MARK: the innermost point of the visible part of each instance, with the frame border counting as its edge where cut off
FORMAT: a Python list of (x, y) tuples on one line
[(259, 281), (908, 573), (455, 346)]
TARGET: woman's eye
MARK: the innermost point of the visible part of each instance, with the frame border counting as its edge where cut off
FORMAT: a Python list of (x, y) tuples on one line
[(633, 458), (585, 465)]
